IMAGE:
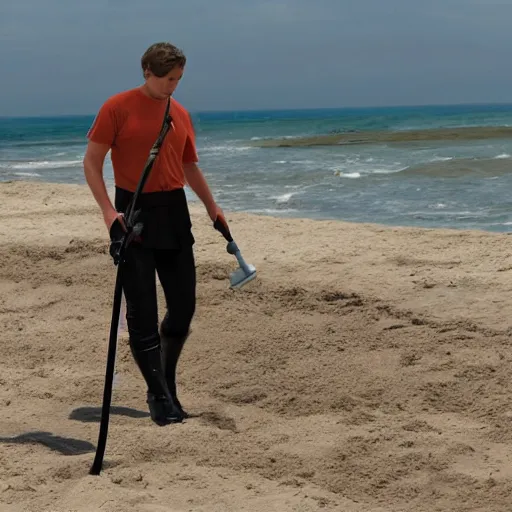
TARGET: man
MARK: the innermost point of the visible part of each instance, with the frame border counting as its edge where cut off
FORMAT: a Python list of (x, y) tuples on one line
[(128, 124)]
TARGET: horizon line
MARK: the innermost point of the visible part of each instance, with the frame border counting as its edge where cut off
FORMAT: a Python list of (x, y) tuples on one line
[(288, 109)]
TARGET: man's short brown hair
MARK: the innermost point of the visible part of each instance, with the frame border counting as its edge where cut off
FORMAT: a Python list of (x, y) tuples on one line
[(161, 58)]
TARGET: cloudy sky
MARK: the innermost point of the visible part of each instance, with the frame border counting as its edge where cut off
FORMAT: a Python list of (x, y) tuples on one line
[(66, 57)]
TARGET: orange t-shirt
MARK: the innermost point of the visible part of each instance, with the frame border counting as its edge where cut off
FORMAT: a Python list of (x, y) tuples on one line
[(130, 122)]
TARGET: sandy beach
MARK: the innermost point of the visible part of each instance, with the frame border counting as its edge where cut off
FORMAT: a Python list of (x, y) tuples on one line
[(367, 368)]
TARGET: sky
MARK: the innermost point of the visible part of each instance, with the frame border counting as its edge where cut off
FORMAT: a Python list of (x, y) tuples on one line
[(60, 57)]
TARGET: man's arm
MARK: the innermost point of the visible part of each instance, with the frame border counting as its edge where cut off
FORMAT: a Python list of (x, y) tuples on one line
[(198, 184), (93, 170), (196, 180)]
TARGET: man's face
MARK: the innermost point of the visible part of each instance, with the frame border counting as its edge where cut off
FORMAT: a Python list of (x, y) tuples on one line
[(163, 87)]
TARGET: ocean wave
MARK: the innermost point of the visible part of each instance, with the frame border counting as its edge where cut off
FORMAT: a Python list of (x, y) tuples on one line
[(285, 137), (224, 149), (272, 211), (456, 214), (359, 166), (46, 142), (40, 164), (388, 171), (294, 162), (27, 174), (441, 158), (347, 174), (283, 198)]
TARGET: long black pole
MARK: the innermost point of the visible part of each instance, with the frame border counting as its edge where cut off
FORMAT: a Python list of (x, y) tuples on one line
[(109, 376), (118, 256)]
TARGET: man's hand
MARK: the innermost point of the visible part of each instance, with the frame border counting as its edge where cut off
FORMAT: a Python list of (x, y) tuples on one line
[(215, 213), (110, 216)]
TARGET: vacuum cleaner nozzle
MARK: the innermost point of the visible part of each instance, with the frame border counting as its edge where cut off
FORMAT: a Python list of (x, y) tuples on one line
[(245, 272)]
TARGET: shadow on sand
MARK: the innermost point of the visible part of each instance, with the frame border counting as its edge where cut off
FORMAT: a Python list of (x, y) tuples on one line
[(93, 414), (64, 445)]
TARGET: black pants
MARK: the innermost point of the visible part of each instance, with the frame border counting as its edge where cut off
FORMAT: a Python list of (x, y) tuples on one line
[(175, 268), (165, 251)]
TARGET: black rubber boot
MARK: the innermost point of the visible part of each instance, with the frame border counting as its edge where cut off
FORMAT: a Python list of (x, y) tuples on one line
[(161, 405), (171, 351)]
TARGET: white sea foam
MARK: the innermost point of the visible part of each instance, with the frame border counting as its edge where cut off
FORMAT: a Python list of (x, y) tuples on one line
[(387, 171), (286, 137), (503, 156), (464, 214), (358, 166), (441, 158), (352, 175), (284, 198), (44, 164), (273, 211), (27, 174), (224, 149)]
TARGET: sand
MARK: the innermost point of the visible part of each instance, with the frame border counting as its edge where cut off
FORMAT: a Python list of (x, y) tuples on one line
[(367, 368)]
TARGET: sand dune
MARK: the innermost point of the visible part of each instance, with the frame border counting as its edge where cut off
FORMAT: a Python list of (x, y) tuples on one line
[(367, 369)]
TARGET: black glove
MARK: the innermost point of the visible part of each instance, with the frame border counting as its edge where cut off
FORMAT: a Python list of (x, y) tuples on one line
[(117, 234), (220, 225)]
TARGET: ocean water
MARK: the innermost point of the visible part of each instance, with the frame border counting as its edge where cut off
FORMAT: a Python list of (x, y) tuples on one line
[(456, 181)]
